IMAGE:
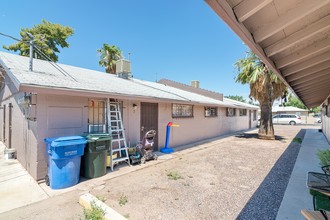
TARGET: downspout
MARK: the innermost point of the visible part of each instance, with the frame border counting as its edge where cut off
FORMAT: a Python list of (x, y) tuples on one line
[(108, 116), (4, 124), (10, 124)]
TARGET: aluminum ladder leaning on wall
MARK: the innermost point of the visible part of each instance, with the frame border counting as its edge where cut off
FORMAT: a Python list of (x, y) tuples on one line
[(118, 148)]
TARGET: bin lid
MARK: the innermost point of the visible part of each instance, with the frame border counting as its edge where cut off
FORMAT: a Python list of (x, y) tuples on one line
[(66, 141), (98, 137)]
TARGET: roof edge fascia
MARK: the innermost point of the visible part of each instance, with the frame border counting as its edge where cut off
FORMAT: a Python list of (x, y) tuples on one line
[(85, 93), (10, 75)]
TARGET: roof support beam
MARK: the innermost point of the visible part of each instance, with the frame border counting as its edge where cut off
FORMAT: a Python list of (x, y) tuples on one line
[(317, 103), (313, 87), (225, 12), (312, 84), (314, 100), (316, 97), (290, 17), (299, 36), (310, 51), (247, 8), (303, 65), (308, 71), (320, 76)]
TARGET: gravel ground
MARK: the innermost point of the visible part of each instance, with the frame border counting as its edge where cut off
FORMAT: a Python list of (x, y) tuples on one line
[(265, 202), (236, 177)]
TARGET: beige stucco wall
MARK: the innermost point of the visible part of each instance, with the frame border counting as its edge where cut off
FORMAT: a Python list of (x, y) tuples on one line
[(199, 127), (326, 127), (58, 116), (23, 131), (131, 119), (68, 115)]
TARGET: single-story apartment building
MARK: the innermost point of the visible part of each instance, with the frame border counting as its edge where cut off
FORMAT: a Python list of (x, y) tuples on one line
[(63, 100)]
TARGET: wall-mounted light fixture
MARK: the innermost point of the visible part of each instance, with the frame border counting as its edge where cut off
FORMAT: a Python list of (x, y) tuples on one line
[(134, 106), (24, 101)]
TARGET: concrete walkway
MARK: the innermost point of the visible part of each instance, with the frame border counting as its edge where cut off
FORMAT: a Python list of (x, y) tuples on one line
[(17, 187), (297, 195)]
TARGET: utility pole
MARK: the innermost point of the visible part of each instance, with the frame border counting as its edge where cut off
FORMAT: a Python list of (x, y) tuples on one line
[(31, 51)]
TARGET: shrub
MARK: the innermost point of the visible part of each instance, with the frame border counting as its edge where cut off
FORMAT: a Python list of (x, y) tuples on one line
[(95, 213), (324, 156), (174, 175), (297, 140), (122, 200)]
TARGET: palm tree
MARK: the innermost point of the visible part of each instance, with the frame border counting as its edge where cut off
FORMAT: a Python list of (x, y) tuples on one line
[(108, 57), (265, 87)]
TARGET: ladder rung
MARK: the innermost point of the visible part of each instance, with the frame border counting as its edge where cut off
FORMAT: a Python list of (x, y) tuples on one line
[(120, 159), (118, 142), (117, 130), (118, 139), (119, 149)]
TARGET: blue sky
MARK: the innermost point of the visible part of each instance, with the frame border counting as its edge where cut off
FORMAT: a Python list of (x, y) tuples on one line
[(180, 40)]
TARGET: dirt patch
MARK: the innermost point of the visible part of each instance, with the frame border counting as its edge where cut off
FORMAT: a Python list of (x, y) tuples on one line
[(216, 181)]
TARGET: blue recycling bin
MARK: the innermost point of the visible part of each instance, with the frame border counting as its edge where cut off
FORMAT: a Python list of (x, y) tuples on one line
[(64, 157)]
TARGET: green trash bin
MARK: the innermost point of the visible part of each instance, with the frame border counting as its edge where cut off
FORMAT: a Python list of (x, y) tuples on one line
[(94, 161)]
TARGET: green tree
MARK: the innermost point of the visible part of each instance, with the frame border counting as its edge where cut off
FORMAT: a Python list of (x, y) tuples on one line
[(48, 37), (236, 97), (316, 109), (295, 102), (108, 57), (265, 87)]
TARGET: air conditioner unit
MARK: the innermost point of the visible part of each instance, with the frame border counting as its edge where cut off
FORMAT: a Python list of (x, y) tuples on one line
[(123, 66)]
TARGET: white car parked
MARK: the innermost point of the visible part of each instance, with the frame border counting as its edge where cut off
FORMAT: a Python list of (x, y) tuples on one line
[(290, 119), (318, 120)]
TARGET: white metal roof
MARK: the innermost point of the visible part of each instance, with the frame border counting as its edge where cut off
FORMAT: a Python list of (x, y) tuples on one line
[(287, 109), (45, 75), (240, 104)]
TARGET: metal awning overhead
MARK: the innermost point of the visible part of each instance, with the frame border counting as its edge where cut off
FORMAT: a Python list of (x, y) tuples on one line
[(291, 36)]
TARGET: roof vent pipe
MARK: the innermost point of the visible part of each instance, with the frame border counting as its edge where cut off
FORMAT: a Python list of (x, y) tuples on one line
[(195, 83), (31, 51)]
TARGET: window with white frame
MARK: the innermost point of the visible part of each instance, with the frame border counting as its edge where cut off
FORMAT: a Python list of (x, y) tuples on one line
[(182, 111), (242, 112), (254, 115), (210, 111), (231, 112)]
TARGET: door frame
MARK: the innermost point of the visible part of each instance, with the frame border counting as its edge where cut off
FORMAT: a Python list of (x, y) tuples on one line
[(146, 107), (250, 119)]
